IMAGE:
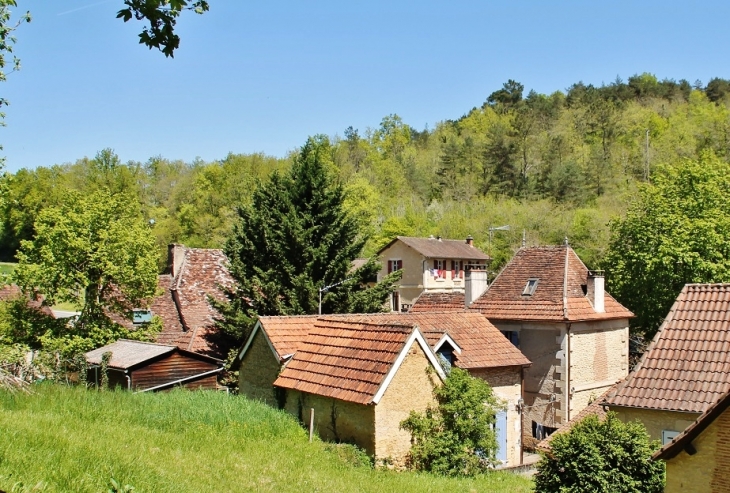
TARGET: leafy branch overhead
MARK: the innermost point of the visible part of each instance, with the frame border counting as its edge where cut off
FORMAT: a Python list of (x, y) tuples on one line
[(162, 16)]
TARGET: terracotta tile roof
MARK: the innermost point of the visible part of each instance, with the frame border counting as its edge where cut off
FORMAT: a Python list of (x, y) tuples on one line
[(345, 360), (13, 292), (558, 295), (164, 307), (126, 353), (482, 344), (438, 302), (596, 407), (287, 334), (440, 249), (687, 365), (681, 441)]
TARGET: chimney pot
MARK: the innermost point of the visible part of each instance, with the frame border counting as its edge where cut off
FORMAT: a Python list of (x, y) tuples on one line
[(175, 256), (475, 282), (470, 240)]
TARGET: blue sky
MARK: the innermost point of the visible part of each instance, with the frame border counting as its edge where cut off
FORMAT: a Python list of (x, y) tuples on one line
[(262, 76)]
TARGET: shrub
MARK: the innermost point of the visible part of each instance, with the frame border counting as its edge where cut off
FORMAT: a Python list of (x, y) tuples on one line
[(601, 456)]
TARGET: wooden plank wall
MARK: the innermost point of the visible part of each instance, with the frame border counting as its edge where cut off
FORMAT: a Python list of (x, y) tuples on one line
[(174, 367)]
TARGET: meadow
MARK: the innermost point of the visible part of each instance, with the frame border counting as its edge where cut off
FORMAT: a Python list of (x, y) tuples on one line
[(63, 439)]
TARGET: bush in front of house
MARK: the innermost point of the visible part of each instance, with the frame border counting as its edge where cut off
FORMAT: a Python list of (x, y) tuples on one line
[(455, 438), (601, 456)]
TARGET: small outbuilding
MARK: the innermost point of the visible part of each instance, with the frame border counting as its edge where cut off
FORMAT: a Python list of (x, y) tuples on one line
[(144, 366)]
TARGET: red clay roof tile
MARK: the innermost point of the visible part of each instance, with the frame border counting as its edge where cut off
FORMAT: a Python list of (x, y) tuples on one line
[(687, 366)]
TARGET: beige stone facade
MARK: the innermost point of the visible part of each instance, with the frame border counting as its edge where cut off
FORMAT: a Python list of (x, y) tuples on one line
[(572, 364), (656, 421), (707, 470), (374, 428), (506, 384), (258, 370)]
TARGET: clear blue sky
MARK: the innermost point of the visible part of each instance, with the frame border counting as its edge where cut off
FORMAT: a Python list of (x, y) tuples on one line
[(262, 76)]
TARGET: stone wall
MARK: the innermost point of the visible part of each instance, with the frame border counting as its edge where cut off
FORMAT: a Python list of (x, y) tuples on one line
[(335, 420), (599, 358), (410, 390), (656, 421), (506, 384), (259, 368), (707, 470)]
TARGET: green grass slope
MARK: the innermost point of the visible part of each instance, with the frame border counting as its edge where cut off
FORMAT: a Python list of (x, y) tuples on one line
[(71, 440)]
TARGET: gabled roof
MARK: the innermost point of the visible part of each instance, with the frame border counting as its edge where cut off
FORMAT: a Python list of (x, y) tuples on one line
[(440, 248), (687, 366), (482, 344), (285, 334), (558, 296), (126, 353), (684, 439), (351, 361), (429, 301)]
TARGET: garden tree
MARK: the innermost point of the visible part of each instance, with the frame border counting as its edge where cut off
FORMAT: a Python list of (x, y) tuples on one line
[(96, 252), (455, 438), (294, 238), (677, 231), (602, 456)]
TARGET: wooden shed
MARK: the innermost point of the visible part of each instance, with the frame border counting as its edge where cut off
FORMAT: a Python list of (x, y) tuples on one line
[(144, 366)]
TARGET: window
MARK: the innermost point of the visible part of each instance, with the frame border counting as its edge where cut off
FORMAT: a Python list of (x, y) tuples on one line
[(140, 316), (530, 287), (456, 267), (394, 265), (513, 337), (540, 431), (439, 269), (668, 436)]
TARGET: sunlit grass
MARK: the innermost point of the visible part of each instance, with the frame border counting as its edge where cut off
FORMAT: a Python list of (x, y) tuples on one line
[(68, 439)]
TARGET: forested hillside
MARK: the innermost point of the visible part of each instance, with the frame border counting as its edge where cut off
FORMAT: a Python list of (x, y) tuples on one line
[(553, 166)]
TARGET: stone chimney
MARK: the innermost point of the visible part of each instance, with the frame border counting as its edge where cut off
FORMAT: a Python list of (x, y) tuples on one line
[(175, 257), (475, 282), (596, 291), (470, 240)]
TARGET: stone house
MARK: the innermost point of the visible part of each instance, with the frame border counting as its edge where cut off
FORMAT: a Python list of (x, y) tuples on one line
[(575, 334), (362, 380), (698, 459), (685, 370), (466, 340), (428, 264)]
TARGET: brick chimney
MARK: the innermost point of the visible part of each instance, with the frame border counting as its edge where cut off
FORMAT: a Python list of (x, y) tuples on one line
[(475, 282), (596, 291), (175, 257), (470, 240)]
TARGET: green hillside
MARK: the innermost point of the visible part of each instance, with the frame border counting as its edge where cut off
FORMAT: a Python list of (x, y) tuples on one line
[(71, 440)]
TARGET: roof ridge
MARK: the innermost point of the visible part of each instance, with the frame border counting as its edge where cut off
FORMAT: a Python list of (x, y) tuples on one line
[(149, 343)]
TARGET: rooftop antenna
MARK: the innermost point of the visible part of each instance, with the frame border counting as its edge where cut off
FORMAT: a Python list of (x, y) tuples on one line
[(327, 288), (524, 239), (492, 229)]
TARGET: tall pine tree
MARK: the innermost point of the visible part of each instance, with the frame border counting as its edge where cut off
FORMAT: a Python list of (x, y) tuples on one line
[(294, 238)]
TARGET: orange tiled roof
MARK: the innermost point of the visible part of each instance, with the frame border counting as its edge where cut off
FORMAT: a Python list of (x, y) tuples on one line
[(345, 360), (482, 344), (440, 248), (438, 302), (558, 295), (287, 334), (687, 366)]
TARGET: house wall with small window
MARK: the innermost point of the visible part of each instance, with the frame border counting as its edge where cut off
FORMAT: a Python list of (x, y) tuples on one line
[(655, 421), (506, 383)]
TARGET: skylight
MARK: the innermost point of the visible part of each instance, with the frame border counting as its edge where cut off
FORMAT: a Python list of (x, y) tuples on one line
[(530, 287)]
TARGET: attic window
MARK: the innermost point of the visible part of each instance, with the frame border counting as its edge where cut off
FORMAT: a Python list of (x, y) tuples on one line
[(530, 287), (140, 316)]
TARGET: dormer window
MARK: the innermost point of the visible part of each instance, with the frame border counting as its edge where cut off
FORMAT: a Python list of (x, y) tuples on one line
[(530, 287), (140, 316)]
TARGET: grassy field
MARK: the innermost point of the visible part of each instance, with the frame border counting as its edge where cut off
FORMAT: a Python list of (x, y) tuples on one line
[(7, 267), (71, 440)]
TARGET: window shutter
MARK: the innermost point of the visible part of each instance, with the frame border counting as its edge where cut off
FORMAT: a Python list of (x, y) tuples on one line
[(454, 268), (390, 266)]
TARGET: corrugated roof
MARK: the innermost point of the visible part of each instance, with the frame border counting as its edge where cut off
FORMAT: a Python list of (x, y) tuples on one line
[(126, 353), (440, 248), (345, 360), (439, 302), (559, 293), (687, 366)]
